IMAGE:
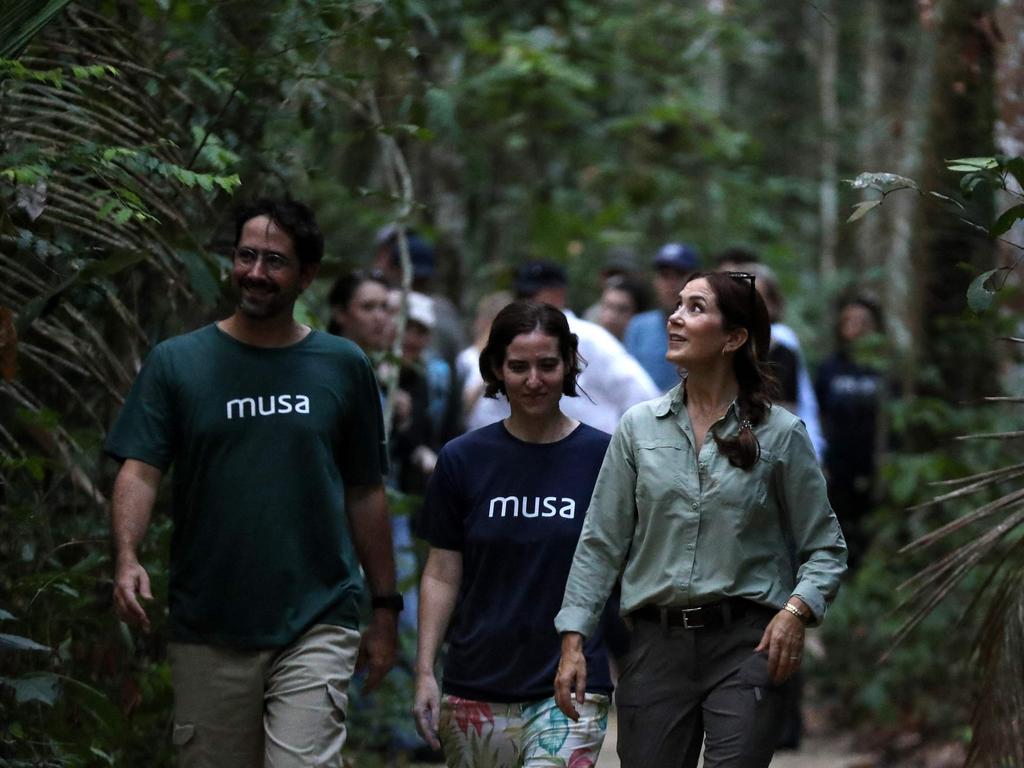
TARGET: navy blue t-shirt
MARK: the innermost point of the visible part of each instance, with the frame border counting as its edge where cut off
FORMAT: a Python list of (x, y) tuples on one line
[(514, 510)]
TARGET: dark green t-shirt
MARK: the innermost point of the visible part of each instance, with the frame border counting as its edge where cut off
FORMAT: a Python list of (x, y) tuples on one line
[(263, 442)]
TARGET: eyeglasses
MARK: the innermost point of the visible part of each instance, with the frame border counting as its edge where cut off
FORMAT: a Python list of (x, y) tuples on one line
[(747, 277), (272, 260)]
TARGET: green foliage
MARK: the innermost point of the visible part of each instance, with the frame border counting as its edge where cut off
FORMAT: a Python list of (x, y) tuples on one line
[(21, 20), (1003, 173), (905, 687), (502, 131)]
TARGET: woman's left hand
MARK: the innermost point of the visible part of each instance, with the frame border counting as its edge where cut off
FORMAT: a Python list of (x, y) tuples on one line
[(783, 641)]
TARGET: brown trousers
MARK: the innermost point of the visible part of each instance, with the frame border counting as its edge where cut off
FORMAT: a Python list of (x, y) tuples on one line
[(680, 688)]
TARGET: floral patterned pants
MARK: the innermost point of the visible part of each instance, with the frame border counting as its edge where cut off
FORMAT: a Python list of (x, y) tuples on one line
[(480, 734)]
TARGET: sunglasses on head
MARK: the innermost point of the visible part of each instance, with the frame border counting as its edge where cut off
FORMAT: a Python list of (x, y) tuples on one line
[(746, 277)]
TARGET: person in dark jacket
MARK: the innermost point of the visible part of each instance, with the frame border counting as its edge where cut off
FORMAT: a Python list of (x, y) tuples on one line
[(850, 389)]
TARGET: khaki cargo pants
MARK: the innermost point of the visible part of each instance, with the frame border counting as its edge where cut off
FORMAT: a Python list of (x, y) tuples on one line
[(276, 708)]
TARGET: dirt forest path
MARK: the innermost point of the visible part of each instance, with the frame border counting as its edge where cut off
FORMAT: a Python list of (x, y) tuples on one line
[(817, 751)]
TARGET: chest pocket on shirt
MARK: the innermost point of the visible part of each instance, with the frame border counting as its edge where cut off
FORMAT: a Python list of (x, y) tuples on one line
[(745, 492), (660, 467)]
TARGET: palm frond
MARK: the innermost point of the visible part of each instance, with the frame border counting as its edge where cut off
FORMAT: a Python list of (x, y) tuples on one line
[(998, 547), (998, 718), (100, 189), (21, 20)]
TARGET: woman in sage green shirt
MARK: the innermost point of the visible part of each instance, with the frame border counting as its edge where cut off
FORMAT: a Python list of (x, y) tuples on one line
[(711, 507)]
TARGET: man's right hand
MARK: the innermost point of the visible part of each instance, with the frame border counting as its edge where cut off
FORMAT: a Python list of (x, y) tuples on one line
[(131, 582)]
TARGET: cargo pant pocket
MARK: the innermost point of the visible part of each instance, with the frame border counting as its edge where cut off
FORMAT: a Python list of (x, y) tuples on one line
[(339, 698), (764, 708)]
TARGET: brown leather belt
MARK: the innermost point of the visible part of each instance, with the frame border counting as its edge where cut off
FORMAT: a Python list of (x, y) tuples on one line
[(702, 617)]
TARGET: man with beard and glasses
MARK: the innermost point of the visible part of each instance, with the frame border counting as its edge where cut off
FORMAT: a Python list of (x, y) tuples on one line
[(275, 435)]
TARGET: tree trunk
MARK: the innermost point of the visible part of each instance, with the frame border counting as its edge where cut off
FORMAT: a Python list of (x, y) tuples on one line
[(828, 197), (961, 123)]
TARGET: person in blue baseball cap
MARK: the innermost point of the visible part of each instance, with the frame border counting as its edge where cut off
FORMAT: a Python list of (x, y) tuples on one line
[(646, 336)]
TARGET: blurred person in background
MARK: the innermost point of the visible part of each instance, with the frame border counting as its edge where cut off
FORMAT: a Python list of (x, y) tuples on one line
[(425, 379), (358, 303), (363, 309), (851, 388), (448, 337), (646, 337), (624, 296), (619, 262)]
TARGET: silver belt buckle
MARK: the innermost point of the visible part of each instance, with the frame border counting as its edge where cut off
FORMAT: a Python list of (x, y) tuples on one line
[(692, 623)]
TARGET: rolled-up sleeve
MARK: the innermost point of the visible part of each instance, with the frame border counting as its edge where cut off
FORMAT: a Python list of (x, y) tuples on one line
[(605, 539), (817, 537)]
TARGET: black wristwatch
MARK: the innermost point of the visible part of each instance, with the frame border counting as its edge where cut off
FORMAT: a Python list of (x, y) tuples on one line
[(391, 602)]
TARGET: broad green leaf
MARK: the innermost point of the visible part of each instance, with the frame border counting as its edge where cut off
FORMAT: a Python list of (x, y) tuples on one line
[(862, 208), (968, 164), (19, 643), (1006, 220), (981, 292), (42, 687)]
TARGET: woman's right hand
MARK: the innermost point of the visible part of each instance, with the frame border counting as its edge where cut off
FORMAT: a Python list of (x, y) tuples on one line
[(571, 677), (426, 709)]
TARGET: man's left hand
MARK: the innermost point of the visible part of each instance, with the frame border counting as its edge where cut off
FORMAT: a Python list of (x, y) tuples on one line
[(378, 646)]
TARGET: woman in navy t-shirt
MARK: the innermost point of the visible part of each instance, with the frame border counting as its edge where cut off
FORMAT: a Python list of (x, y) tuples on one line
[(503, 513)]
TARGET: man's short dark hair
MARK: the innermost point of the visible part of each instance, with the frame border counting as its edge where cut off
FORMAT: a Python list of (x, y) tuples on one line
[(736, 254), (294, 218), (534, 276)]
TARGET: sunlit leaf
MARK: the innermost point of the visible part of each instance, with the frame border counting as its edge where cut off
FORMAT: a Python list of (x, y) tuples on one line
[(968, 164), (883, 181), (981, 292), (19, 643), (42, 687)]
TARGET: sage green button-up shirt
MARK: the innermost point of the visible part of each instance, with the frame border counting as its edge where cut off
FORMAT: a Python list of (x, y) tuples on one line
[(685, 527)]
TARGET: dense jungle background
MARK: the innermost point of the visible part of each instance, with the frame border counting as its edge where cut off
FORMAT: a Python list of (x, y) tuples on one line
[(504, 131)]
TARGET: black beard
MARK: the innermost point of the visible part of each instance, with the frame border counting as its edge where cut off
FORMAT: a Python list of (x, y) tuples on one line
[(258, 285)]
